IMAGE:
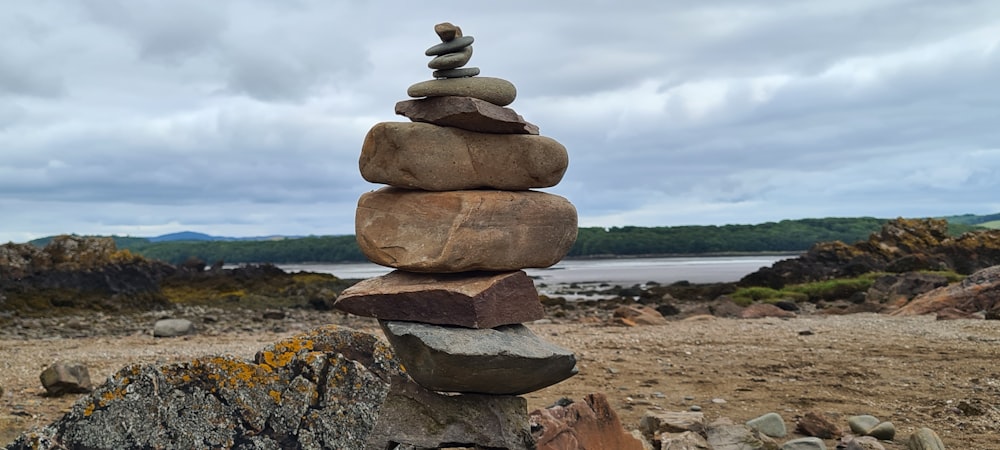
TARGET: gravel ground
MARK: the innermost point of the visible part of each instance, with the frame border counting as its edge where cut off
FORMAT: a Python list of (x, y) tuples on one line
[(915, 371)]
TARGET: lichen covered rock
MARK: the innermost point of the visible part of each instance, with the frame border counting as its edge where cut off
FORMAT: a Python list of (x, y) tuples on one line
[(318, 390)]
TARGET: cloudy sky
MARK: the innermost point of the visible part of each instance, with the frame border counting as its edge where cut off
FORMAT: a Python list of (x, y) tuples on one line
[(246, 118)]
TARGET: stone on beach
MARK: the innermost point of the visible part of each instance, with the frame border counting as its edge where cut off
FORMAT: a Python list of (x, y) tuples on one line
[(590, 424), (461, 72), (497, 91), (508, 360), (470, 299), (172, 328), (467, 113), (432, 158), (460, 231), (447, 31), (65, 377)]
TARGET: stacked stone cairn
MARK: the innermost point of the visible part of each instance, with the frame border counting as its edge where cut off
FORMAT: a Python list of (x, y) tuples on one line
[(459, 221)]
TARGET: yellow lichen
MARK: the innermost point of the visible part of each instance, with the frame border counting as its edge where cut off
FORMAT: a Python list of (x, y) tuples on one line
[(275, 395), (89, 410)]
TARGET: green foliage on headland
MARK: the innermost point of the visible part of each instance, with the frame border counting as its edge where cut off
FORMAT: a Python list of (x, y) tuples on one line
[(592, 242)]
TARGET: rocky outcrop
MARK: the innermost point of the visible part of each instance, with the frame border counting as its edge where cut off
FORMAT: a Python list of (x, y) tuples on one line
[(75, 274), (902, 245), (979, 292)]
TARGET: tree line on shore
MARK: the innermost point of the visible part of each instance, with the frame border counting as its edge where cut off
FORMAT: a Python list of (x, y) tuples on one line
[(592, 242)]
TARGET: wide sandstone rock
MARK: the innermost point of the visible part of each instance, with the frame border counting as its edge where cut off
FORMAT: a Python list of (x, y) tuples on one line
[(460, 231), (467, 113), (473, 300), (433, 158), (507, 360)]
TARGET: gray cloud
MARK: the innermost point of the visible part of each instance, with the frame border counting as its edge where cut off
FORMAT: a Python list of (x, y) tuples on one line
[(246, 118)]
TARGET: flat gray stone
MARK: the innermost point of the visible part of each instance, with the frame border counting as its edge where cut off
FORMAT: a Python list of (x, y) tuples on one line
[(806, 443), (466, 113), (851, 442), (507, 360), (451, 60), (924, 439), (688, 440), (432, 158), (451, 46), (172, 328), (497, 91), (461, 231), (770, 424), (468, 299), (456, 73), (654, 423)]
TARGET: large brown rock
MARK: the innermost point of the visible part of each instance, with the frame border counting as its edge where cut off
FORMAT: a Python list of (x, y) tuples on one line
[(467, 113), (591, 424), (473, 300), (460, 231), (433, 158), (977, 292)]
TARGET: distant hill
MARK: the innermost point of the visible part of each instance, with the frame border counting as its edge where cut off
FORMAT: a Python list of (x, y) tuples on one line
[(195, 236), (986, 221)]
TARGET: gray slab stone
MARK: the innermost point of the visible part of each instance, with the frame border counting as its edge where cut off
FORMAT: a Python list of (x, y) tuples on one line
[(507, 360), (497, 91), (466, 113)]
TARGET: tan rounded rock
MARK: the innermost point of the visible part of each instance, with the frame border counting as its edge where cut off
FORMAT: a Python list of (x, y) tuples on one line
[(424, 156), (497, 91), (459, 231)]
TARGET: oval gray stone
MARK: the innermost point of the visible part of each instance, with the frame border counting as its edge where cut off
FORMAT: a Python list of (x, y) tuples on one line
[(172, 327), (806, 443), (494, 90), (451, 60), (507, 360), (456, 73), (862, 423), (770, 424), (451, 46), (460, 231), (433, 158), (884, 431), (924, 439)]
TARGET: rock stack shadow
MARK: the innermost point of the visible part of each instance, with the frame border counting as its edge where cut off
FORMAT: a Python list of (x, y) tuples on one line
[(459, 219)]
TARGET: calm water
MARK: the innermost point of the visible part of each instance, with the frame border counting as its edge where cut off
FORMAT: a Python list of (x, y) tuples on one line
[(624, 271)]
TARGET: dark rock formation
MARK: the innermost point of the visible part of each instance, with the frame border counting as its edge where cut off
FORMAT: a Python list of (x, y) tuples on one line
[(74, 274), (902, 245)]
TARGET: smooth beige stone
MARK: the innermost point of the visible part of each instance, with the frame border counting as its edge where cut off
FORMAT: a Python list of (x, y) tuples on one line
[(447, 32), (424, 156), (460, 231), (497, 91)]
